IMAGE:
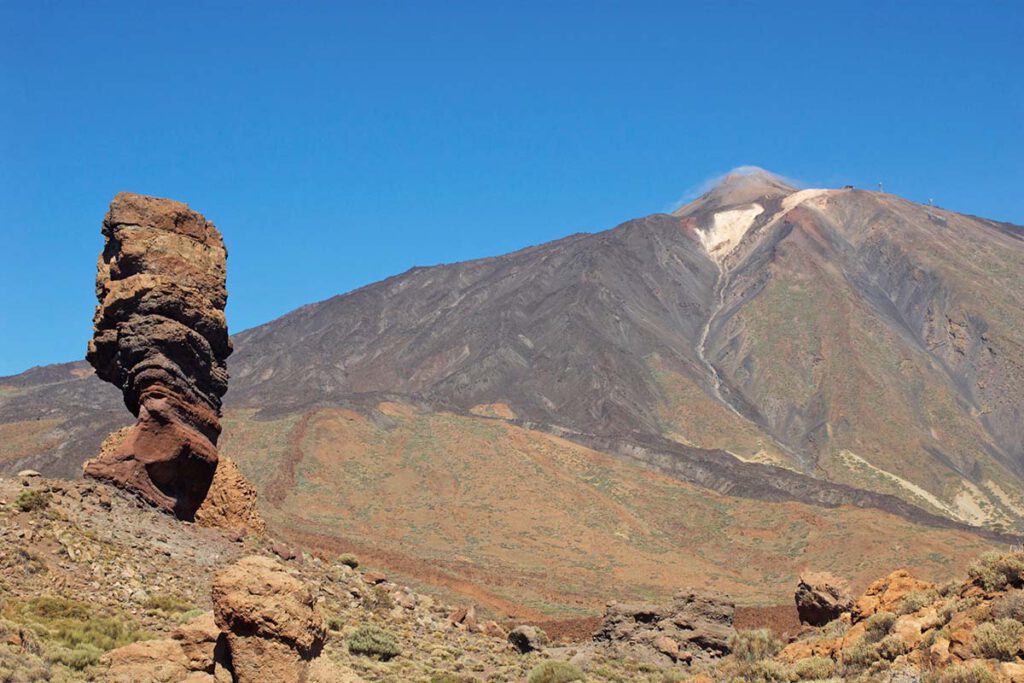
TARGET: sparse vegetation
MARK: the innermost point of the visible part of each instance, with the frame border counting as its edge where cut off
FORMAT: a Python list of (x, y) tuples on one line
[(916, 600), (877, 626), (378, 599), (998, 639), (1010, 606), (970, 673), (892, 647), (167, 604), (188, 616), (349, 560), (451, 678), (814, 669), (555, 672), (754, 646), (72, 633), (860, 655), (371, 640), (995, 570), (32, 500)]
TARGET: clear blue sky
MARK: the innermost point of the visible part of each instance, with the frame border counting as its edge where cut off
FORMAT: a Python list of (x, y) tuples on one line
[(337, 144)]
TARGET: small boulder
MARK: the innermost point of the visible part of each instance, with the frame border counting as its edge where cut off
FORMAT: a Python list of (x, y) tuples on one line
[(527, 638), (28, 474), (374, 578), (821, 598), (147, 661), (201, 641), (283, 551), (465, 616)]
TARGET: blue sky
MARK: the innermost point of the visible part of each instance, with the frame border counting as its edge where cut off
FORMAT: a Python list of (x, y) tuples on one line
[(336, 144)]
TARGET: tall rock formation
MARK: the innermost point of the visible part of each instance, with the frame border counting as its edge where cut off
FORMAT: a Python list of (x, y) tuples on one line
[(160, 335)]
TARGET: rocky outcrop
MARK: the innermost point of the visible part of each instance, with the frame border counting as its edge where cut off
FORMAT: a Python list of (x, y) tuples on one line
[(886, 594), (526, 638), (822, 597), (273, 630), (695, 625), (231, 502), (160, 335)]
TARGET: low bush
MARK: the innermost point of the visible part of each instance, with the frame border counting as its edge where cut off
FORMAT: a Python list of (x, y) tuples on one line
[(892, 647), (915, 600), (379, 599), (79, 657), (19, 666), (191, 614), (877, 626), (1010, 606), (167, 604), (451, 678), (33, 499), (860, 655), (814, 669), (998, 639), (754, 646), (74, 633), (373, 641), (349, 560), (994, 570), (554, 672), (965, 673)]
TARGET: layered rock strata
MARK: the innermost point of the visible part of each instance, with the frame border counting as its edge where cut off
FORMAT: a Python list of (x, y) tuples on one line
[(160, 335)]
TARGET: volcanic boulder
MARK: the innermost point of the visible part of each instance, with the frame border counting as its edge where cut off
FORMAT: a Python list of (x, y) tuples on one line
[(273, 629), (160, 335), (822, 597), (695, 625)]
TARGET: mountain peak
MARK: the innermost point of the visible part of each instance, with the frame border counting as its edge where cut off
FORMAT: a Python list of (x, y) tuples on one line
[(739, 186)]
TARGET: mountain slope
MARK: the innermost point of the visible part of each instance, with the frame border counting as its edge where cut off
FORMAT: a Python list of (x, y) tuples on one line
[(775, 352)]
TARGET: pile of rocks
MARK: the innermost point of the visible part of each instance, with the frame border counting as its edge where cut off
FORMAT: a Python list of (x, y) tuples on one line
[(695, 626)]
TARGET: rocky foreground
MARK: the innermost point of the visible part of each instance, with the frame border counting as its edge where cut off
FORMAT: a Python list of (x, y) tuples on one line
[(97, 586)]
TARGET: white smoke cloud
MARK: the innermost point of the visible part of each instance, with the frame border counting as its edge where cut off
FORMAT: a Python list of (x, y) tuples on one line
[(709, 183)]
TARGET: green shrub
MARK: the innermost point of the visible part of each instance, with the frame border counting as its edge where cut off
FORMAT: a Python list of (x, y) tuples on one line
[(915, 600), (877, 626), (167, 604), (555, 672), (973, 673), (19, 666), (1010, 606), (814, 669), (451, 678), (764, 671), (892, 647), (73, 631), (860, 655), (335, 623), (754, 646), (188, 616), (349, 560), (33, 499), (994, 570), (79, 657), (373, 641), (378, 600), (998, 639)]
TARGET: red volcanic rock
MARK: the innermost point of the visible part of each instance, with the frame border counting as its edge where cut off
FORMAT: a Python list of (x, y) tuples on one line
[(821, 597), (160, 335)]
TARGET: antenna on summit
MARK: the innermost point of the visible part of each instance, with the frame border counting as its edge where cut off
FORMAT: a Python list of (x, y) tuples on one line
[(881, 188)]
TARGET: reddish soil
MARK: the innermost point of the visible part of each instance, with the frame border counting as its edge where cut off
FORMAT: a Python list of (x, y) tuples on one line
[(782, 620)]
